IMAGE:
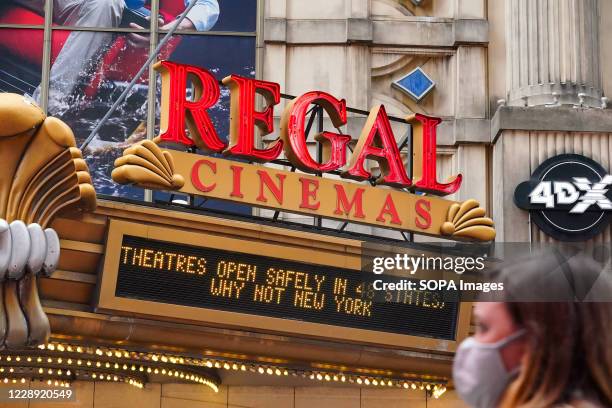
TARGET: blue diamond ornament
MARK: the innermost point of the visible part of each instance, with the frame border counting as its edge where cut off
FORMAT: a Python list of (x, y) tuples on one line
[(417, 84)]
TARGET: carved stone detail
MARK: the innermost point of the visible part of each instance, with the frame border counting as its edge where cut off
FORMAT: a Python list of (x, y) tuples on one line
[(553, 53)]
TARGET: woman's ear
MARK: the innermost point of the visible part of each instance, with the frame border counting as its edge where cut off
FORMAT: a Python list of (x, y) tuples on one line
[(514, 354)]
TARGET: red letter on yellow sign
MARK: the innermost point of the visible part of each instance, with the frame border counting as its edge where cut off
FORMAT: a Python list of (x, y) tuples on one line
[(244, 117), (176, 109), (378, 143)]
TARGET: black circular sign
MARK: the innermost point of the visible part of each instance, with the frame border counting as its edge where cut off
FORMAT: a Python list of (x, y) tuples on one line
[(568, 197)]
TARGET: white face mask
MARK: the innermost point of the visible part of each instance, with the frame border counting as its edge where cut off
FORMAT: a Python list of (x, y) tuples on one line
[(479, 373)]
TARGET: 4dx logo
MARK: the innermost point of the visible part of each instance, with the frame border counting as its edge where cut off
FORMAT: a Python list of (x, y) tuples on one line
[(568, 196), (583, 193)]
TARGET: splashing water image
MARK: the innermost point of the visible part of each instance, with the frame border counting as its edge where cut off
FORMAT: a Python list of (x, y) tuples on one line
[(125, 127), (128, 124), (95, 93)]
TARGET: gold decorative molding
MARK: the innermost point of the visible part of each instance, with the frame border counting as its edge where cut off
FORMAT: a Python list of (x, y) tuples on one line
[(467, 220), (146, 165), (42, 174)]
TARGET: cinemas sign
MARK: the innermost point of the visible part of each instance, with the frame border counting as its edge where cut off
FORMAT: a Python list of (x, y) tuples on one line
[(395, 201)]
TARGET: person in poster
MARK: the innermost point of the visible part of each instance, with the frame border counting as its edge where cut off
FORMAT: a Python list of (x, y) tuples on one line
[(82, 49)]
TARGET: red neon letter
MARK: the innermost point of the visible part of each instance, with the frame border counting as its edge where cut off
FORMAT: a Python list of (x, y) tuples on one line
[(383, 149), (244, 117), (176, 110), (195, 175), (293, 132), (389, 209), (309, 192), (424, 151), (423, 218), (277, 191), (343, 201)]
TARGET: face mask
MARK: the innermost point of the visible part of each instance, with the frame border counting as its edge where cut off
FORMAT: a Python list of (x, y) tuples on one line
[(479, 373)]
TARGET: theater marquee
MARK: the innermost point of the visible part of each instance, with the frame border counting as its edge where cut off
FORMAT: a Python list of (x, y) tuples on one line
[(391, 200), (231, 281)]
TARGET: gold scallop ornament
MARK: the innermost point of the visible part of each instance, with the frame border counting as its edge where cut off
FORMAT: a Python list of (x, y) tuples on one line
[(146, 165), (467, 220)]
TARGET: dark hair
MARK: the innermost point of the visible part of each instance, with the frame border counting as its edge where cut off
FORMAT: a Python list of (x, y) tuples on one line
[(569, 349)]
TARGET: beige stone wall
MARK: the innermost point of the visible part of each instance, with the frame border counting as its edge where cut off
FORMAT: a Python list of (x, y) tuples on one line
[(113, 395), (568, 51), (496, 66), (605, 34), (355, 49)]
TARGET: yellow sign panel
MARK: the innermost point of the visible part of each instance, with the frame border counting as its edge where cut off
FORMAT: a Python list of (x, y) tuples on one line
[(145, 164)]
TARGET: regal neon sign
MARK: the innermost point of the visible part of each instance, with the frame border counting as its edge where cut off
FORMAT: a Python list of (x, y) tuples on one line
[(376, 141), (147, 165)]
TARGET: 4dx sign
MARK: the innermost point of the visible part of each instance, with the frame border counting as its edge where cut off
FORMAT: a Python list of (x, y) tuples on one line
[(568, 197), (582, 193)]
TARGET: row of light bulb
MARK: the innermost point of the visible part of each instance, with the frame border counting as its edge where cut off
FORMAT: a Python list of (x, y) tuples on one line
[(435, 386), (42, 372), (23, 380), (93, 364)]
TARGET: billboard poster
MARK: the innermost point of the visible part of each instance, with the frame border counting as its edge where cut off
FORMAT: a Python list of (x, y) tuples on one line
[(96, 49)]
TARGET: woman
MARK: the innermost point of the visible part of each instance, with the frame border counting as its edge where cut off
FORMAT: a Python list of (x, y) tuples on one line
[(548, 344)]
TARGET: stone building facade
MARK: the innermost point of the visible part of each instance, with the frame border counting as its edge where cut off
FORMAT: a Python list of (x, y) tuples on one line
[(516, 82)]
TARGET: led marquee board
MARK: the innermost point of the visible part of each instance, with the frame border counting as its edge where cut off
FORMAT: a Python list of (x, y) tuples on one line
[(200, 279)]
